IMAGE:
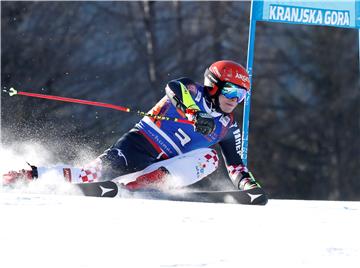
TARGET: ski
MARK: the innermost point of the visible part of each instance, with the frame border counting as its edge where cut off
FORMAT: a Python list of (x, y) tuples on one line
[(98, 189), (255, 196)]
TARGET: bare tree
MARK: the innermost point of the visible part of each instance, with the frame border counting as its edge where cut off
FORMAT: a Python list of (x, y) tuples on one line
[(149, 16)]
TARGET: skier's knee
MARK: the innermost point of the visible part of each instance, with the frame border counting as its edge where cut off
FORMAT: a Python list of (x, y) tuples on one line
[(213, 158), (210, 163), (114, 159)]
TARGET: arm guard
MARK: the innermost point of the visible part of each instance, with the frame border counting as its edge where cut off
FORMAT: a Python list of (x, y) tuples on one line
[(181, 97)]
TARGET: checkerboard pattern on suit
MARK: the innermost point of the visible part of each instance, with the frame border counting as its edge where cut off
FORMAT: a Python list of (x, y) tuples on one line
[(212, 157), (91, 172), (234, 170)]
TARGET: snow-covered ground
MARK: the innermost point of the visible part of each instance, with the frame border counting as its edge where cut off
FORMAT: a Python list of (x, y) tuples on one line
[(43, 226), (39, 230)]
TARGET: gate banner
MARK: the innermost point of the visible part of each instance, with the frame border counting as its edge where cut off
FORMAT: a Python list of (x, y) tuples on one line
[(341, 13)]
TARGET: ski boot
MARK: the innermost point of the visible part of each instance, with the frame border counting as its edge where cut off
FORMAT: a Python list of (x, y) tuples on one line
[(153, 179), (22, 175)]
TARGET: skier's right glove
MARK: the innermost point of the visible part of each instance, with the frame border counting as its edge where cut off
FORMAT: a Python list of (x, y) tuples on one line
[(204, 123), (247, 181)]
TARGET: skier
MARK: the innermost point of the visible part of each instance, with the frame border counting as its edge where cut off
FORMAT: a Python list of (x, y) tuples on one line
[(166, 154)]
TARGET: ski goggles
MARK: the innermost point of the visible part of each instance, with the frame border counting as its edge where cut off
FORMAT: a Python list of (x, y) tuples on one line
[(230, 91)]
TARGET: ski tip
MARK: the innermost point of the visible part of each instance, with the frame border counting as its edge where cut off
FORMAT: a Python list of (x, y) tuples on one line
[(257, 196), (12, 92)]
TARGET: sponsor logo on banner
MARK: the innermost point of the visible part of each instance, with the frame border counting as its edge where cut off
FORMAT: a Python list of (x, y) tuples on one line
[(309, 15)]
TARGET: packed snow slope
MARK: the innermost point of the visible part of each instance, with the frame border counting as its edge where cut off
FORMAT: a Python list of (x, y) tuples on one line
[(46, 225), (45, 230)]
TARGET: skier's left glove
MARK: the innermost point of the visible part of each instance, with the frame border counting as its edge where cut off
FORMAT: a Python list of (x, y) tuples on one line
[(204, 123)]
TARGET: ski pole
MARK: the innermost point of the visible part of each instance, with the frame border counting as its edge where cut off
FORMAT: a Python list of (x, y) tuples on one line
[(13, 92)]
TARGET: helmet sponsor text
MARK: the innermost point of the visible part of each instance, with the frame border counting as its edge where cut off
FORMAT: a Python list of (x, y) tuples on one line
[(244, 78)]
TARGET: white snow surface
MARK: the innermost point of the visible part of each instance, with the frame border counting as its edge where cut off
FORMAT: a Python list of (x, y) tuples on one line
[(46, 225), (39, 230)]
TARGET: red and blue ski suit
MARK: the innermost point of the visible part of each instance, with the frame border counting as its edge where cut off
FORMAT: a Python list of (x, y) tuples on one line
[(152, 140)]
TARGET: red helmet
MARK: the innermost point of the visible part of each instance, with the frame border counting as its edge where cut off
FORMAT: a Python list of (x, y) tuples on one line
[(224, 71)]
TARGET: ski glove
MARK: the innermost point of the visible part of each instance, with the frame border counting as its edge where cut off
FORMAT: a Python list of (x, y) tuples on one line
[(247, 181), (204, 123)]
